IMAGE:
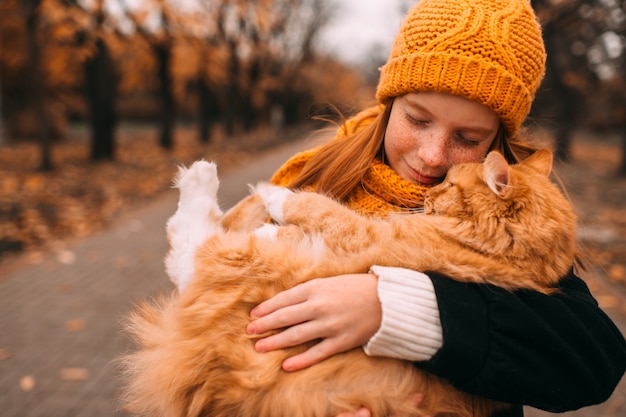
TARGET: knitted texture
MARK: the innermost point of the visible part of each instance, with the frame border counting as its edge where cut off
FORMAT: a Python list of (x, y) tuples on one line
[(489, 51), (382, 191)]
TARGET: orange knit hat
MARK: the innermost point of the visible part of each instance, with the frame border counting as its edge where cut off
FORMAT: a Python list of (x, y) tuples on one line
[(489, 51)]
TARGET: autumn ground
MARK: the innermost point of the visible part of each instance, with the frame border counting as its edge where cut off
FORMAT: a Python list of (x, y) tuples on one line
[(41, 209)]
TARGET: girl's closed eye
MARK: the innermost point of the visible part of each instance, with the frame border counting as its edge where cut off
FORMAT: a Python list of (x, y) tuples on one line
[(468, 139), (417, 120)]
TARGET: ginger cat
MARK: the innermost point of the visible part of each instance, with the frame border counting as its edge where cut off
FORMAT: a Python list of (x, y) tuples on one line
[(496, 223)]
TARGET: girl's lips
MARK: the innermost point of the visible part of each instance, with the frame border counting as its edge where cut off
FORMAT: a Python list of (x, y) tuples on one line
[(424, 179), (428, 180)]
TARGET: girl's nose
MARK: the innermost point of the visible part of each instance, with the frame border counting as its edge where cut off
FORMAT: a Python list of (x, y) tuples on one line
[(433, 150)]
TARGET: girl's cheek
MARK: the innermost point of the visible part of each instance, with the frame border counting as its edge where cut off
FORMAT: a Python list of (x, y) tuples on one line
[(460, 154)]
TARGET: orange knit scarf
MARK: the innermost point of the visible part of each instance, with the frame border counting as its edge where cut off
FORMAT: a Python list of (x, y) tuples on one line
[(381, 190)]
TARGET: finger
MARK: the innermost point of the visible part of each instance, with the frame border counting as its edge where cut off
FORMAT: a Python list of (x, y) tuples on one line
[(363, 412), (285, 317), (315, 354), (281, 300), (291, 336)]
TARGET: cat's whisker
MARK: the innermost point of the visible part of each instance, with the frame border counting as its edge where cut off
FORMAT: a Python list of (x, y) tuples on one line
[(409, 206)]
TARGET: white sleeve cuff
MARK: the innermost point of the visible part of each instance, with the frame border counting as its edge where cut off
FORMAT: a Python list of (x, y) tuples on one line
[(410, 327)]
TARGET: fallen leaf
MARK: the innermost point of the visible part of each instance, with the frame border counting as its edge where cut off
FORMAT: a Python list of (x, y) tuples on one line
[(35, 258), (27, 383), (66, 257), (5, 353), (608, 301), (74, 374), (74, 325)]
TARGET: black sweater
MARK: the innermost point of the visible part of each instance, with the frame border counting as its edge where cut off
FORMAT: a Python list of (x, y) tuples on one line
[(556, 353)]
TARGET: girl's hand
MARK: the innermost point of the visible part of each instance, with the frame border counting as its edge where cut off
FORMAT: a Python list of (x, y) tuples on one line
[(343, 312)]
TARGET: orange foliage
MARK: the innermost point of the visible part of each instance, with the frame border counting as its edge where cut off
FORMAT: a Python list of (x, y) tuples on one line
[(13, 57), (135, 63), (67, 33)]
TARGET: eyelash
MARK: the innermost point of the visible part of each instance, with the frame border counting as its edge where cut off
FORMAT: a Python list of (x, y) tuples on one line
[(415, 121), (467, 141), (420, 122)]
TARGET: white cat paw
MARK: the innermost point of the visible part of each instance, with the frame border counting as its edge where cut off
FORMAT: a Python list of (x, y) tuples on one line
[(200, 177), (274, 198), (196, 219)]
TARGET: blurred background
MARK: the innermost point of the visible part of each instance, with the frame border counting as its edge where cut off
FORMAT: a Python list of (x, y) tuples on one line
[(101, 100), (85, 81)]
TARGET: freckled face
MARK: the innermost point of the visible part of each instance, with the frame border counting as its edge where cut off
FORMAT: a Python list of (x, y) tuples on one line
[(428, 132)]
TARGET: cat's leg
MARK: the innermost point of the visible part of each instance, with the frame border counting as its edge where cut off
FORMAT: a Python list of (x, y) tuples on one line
[(342, 229), (246, 216), (311, 211), (274, 198), (197, 218)]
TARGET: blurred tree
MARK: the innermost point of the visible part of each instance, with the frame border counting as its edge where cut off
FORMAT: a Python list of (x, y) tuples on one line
[(161, 39), (100, 84), (244, 63), (211, 74), (301, 57), (586, 68), (39, 62), (559, 99), (269, 44), (31, 11)]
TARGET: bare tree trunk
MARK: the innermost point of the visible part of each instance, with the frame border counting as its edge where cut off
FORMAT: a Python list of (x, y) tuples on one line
[(1, 117), (100, 90), (247, 110), (566, 102), (163, 51), (232, 95), (36, 86), (163, 54), (207, 112), (622, 169)]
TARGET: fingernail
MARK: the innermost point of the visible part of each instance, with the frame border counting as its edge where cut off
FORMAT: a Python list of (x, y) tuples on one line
[(254, 313), (251, 329), (288, 366), (362, 412)]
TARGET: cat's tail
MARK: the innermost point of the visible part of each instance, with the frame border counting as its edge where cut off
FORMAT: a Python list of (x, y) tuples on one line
[(197, 218)]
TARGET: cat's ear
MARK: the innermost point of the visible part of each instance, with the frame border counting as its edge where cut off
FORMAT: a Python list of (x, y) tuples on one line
[(540, 161), (497, 175)]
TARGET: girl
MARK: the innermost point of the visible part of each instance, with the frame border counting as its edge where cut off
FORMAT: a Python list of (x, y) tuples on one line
[(459, 82)]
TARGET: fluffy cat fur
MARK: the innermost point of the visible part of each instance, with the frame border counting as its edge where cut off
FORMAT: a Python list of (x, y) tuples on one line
[(496, 223)]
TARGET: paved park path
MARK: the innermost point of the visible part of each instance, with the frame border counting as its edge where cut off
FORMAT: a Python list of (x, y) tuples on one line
[(61, 313)]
